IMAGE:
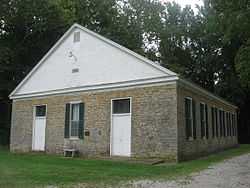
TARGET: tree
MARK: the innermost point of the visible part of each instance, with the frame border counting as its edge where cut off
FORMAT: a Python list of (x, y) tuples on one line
[(190, 45), (233, 18), (242, 61), (28, 30), (233, 22)]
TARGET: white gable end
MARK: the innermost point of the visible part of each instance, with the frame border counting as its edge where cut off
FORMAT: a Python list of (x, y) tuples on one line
[(92, 61)]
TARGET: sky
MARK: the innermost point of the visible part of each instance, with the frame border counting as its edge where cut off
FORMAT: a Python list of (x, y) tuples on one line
[(187, 2)]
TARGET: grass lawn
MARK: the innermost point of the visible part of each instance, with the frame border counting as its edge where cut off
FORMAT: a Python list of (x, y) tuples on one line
[(30, 170)]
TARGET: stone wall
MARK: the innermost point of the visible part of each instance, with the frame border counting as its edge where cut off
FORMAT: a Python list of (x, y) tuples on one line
[(154, 122), (188, 149)]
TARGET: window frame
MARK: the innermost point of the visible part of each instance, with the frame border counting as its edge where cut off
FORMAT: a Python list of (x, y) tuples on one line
[(35, 110), (224, 123), (205, 115), (230, 124), (221, 122), (191, 137), (216, 122), (121, 98), (70, 120), (214, 118), (234, 120)]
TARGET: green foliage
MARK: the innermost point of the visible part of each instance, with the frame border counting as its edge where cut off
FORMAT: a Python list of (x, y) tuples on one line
[(29, 28), (243, 64), (234, 25), (208, 47), (233, 16), (188, 43)]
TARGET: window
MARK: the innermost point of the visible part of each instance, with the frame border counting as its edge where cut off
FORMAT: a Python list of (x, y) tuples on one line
[(230, 124), (41, 111), (75, 70), (213, 121), (204, 120), (77, 36), (214, 114), (226, 124), (235, 125), (190, 116), (74, 120), (221, 122), (121, 106), (216, 122), (234, 122)]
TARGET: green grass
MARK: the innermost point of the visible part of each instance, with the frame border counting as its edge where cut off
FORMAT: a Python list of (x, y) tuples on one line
[(30, 170)]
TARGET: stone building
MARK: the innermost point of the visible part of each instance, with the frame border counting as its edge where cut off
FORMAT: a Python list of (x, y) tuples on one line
[(91, 94)]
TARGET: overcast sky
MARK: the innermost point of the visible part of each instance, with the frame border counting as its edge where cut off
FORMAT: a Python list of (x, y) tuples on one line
[(187, 2)]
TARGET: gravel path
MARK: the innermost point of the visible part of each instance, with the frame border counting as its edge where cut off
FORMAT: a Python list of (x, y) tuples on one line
[(232, 173)]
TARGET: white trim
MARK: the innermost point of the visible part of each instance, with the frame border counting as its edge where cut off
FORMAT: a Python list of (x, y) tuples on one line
[(111, 122), (114, 44), (99, 87), (77, 93), (41, 61), (111, 85), (33, 124), (75, 102)]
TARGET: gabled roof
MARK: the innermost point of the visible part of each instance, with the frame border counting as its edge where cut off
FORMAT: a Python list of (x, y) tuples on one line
[(168, 75), (126, 50)]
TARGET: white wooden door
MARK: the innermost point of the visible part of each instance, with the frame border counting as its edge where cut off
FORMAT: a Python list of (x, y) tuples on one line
[(121, 127), (39, 126)]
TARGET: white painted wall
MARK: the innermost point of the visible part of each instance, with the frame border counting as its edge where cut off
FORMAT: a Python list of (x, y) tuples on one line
[(98, 63)]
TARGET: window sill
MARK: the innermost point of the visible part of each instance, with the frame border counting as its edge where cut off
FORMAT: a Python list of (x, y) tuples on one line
[(74, 139)]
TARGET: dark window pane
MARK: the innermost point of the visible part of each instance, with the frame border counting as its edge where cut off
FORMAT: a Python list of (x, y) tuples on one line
[(230, 125), (206, 121), (194, 118), (224, 123), (74, 128), (213, 121), (75, 112), (221, 123), (216, 122), (40, 111), (188, 117), (202, 119), (121, 106)]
